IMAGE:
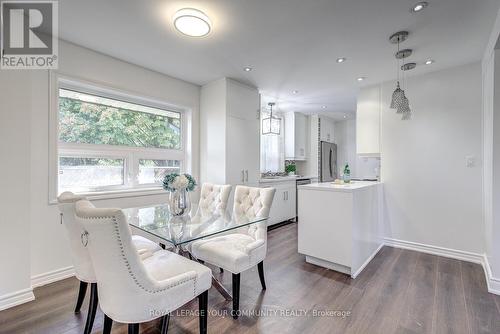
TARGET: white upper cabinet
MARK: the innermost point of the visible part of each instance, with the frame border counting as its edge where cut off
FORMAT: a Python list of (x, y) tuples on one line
[(229, 133), (368, 122), (296, 136), (327, 127)]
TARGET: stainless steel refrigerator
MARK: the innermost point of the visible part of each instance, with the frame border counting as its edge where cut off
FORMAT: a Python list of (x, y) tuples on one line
[(328, 162)]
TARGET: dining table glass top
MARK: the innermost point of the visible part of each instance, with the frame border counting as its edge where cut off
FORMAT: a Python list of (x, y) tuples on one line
[(159, 222)]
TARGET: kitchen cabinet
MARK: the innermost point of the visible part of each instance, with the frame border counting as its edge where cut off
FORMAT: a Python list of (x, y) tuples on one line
[(327, 129), (368, 122), (296, 136), (284, 203), (229, 133)]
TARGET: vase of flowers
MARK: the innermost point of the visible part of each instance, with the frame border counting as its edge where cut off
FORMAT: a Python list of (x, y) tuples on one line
[(179, 187)]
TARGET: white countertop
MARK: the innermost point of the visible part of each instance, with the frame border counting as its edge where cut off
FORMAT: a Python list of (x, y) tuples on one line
[(347, 187), (285, 178)]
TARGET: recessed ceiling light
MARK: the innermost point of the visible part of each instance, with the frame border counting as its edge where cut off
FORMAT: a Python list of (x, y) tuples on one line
[(361, 78), (341, 60), (192, 22), (429, 61), (324, 107), (419, 6), (295, 91), (247, 69), (345, 116)]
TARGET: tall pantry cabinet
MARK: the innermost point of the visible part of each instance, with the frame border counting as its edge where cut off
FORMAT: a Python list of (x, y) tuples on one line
[(229, 133)]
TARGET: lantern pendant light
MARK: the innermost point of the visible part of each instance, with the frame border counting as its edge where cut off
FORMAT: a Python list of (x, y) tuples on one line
[(271, 125)]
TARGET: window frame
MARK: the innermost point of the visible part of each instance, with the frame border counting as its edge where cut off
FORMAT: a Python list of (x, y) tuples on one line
[(130, 154)]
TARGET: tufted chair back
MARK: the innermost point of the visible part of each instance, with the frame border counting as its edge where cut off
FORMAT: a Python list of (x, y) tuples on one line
[(250, 203), (79, 254), (213, 199), (126, 291)]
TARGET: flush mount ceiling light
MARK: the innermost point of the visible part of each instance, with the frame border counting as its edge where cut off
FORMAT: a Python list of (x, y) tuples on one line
[(323, 107), (247, 69), (429, 61), (271, 125), (361, 78), (192, 22), (295, 91), (419, 6), (341, 60)]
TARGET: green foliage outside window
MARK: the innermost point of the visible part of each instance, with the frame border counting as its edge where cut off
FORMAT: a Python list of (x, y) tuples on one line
[(92, 123)]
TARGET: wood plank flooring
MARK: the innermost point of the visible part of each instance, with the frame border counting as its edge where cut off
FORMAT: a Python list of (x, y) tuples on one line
[(400, 291)]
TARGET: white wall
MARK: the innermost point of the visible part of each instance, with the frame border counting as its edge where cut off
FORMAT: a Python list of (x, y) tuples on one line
[(15, 109), (431, 197), (36, 240)]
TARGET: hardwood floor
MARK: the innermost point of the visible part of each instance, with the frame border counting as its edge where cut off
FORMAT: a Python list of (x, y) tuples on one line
[(400, 291)]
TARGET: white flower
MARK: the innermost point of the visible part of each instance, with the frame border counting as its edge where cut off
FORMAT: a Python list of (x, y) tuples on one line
[(180, 182)]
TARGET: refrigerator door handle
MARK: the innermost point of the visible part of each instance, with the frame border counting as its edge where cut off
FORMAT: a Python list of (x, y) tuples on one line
[(331, 162)]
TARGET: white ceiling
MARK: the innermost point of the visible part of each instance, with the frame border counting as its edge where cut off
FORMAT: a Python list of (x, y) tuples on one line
[(291, 44)]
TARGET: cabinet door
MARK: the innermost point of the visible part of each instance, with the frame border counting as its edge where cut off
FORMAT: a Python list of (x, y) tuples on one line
[(289, 210), (242, 101), (368, 122), (242, 151), (300, 136)]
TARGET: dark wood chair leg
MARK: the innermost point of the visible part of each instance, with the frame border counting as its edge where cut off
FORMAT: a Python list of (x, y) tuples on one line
[(162, 245), (260, 266), (203, 308), (81, 296), (236, 295), (133, 328), (221, 270), (94, 301), (164, 324), (108, 323)]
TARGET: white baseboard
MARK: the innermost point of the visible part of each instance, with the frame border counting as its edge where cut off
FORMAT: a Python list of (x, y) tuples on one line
[(16, 298), (492, 282), (354, 275), (52, 276)]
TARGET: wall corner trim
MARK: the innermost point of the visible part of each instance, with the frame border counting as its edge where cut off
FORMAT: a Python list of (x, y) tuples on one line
[(16, 298), (492, 282), (52, 276)]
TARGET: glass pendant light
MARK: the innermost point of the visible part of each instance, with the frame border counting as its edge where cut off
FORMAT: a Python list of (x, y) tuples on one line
[(398, 95), (271, 125)]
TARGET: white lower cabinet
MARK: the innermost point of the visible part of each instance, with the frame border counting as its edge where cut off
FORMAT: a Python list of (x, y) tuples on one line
[(284, 203)]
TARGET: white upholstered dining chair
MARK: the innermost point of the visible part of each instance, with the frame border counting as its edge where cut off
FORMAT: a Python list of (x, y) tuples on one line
[(132, 290), (82, 263), (213, 199), (246, 247)]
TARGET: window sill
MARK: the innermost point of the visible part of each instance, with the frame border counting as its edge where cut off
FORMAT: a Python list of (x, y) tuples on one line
[(122, 193)]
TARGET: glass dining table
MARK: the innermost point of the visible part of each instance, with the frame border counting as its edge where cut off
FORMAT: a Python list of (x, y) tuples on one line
[(178, 232)]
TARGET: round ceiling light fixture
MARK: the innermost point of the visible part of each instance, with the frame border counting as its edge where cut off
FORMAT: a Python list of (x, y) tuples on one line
[(247, 69), (361, 78), (419, 6), (192, 22), (429, 61), (323, 107), (295, 91), (341, 60)]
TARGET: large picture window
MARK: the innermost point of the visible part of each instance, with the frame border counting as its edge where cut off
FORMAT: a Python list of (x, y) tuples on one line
[(108, 144)]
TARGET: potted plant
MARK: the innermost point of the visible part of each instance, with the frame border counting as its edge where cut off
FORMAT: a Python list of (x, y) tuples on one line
[(290, 169), (179, 187)]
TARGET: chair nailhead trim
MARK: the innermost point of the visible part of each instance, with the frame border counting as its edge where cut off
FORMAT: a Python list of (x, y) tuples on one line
[(127, 264)]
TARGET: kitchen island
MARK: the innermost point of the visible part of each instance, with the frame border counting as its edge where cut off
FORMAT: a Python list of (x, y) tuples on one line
[(339, 225)]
